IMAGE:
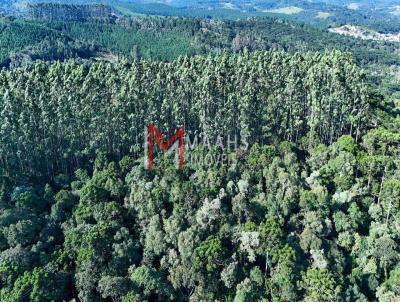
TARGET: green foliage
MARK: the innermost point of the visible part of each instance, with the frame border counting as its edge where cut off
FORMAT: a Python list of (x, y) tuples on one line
[(22, 42), (150, 281), (36, 286), (68, 12), (389, 291), (199, 245), (209, 252), (167, 38), (320, 286), (310, 212), (132, 94)]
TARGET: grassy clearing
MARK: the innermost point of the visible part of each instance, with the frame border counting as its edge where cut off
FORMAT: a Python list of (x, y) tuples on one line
[(288, 10), (323, 15)]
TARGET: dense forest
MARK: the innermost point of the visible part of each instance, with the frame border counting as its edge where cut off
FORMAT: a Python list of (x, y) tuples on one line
[(22, 42), (307, 211), (166, 39), (379, 15), (68, 12), (261, 96)]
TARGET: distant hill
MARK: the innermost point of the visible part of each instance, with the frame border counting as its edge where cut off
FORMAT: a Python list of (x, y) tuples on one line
[(69, 12), (383, 16)]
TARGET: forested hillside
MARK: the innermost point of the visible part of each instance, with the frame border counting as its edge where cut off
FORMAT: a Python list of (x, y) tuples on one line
[(168, 38), (380, 15), (292, 193), (23, 42), (68, 12), (309, 213)]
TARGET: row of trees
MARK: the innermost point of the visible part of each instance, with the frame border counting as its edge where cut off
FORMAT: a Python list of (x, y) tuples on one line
[(22, 42), (69, 12), (55, 115), (214, 35)]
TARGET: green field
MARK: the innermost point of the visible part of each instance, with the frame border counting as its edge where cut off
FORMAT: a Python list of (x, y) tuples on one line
[(289, 10), (323, 15)]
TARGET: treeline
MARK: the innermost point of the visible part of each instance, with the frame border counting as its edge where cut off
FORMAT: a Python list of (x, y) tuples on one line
[(141, 38), (51, 50), (165, 39), (21, 43), (16, 35), (70, 12), (55, 115), (216, 35)]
